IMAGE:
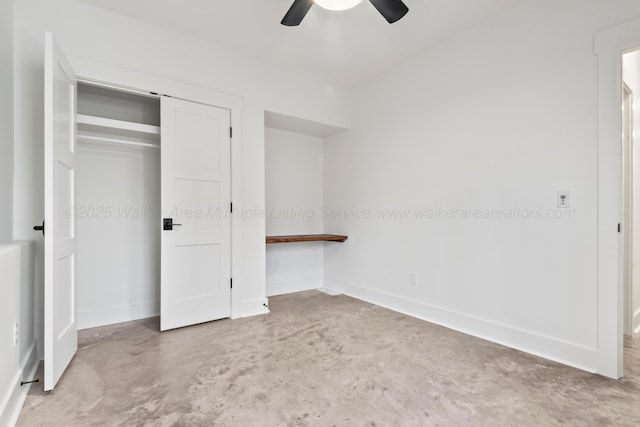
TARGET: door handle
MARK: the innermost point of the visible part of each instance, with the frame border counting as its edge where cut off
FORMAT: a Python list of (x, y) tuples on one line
[(39, 228), (168, 224)]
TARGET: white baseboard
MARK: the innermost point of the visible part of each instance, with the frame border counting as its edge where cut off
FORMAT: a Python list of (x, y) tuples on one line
[(15, 395), (291, 286), (110, 315), (329, 291), (575, 355), (636, 322), (118, 314), (40, 347), (249, 308)]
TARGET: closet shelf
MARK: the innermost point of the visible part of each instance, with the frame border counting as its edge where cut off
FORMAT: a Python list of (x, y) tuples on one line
[(306, 238), (93, 123), (91, 140)]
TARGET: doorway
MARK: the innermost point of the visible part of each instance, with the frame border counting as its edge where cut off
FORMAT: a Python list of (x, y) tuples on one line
[(609, 47)]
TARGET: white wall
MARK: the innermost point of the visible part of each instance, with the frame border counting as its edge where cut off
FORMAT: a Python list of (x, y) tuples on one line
[(87, 33), (10, 314), (6, 119), (294, 199), (27, 340), (16, 259), (17, 361), (631, 72), (499, 118), (118, 240)]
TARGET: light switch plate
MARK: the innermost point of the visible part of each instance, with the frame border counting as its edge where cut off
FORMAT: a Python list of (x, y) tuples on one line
[(564, 199)]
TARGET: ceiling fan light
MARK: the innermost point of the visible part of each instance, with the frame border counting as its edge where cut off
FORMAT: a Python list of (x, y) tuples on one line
[(337, 4)]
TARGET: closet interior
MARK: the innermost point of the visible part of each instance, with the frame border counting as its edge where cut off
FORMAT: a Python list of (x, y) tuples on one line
[(117, 206)]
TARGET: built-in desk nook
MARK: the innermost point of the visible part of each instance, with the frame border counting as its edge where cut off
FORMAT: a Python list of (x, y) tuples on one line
[(306, 238), (295, 204)]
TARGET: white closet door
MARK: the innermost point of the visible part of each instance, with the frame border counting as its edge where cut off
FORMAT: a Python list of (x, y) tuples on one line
[(60, 329), (196, 196)]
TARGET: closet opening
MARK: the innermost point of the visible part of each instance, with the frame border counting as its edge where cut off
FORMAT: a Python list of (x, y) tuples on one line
[(117, 207), (119, 165)]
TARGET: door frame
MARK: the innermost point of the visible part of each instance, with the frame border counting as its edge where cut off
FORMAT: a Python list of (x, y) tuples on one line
[(609, 46), (628, 224), (119, 78)]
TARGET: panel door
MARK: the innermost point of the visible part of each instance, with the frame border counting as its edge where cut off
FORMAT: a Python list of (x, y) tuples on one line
[(60, 329), (196, 198)]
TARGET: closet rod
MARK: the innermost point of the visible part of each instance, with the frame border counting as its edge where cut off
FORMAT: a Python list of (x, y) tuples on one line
[(117, 141)]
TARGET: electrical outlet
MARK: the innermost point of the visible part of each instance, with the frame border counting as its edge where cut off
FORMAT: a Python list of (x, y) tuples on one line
[(16, 333), (413, 278)]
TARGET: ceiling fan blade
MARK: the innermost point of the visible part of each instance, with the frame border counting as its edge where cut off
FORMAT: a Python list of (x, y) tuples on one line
[(392, 10), (297, 12)]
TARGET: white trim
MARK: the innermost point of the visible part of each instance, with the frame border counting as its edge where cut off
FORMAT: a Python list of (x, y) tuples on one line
[(117, 77), (291, 286), (628, 214), (91, 141), (84, 120), (609, 46), (252, 307), (329, 291), (118, 314), (636, 322), (104, 85), (13, 401), (567, 353)]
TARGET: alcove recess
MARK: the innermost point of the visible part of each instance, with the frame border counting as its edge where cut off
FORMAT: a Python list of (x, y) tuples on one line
[(294, 169)]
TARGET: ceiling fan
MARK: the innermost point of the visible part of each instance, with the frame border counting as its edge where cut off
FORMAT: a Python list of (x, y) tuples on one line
[(392, 10)]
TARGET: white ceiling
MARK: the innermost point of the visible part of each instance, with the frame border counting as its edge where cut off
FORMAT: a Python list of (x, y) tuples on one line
[(340, 48)]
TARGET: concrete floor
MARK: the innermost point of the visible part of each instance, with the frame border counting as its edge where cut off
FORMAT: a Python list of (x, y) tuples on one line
[(323, 360)]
